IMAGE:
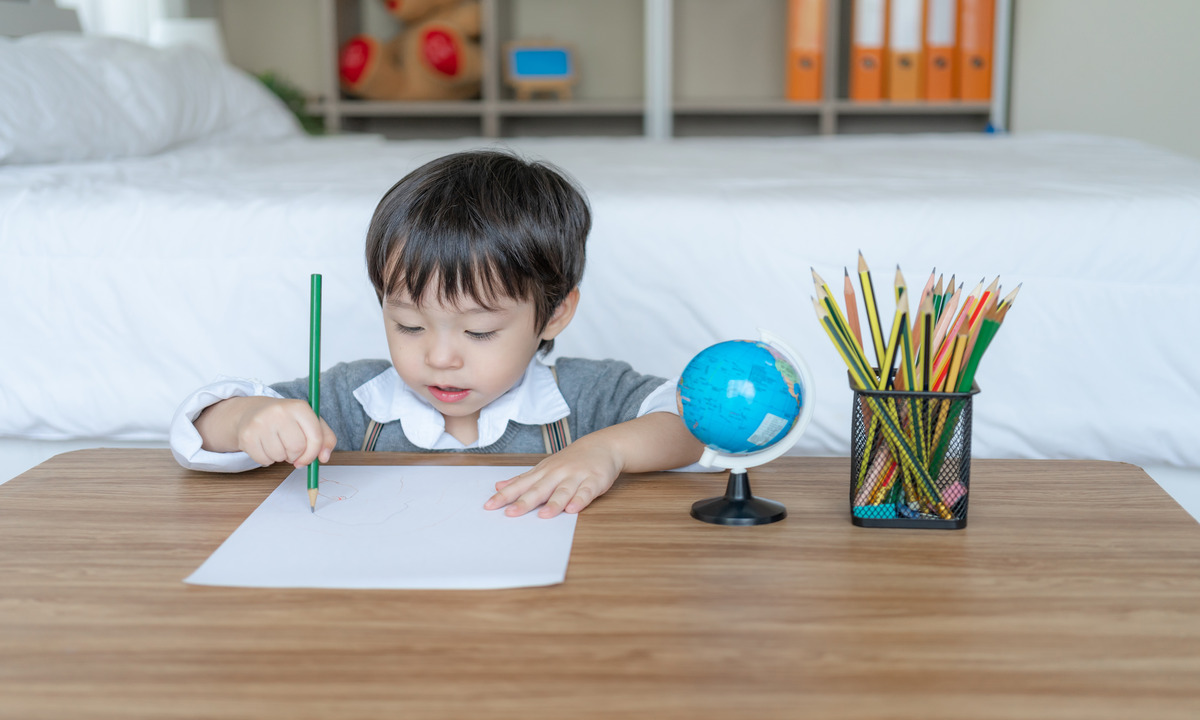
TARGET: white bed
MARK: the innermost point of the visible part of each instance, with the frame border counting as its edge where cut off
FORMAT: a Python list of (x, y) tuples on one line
[(128, 281)]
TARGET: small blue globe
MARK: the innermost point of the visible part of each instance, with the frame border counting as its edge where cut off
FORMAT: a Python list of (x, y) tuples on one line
[(740, 396)]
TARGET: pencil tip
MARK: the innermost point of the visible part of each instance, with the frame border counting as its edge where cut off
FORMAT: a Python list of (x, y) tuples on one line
[(312, 508)]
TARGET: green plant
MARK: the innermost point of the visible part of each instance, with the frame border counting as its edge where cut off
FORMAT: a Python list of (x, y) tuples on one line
[(293, 97)]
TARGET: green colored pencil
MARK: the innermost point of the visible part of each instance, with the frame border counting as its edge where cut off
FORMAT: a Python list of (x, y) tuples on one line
[(314, 380)]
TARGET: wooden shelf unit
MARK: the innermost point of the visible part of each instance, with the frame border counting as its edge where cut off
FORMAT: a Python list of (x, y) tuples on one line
[(723, 64)]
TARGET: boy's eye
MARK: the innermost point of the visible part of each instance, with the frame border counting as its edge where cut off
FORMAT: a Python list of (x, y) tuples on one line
[(408, 330), (482, 335)]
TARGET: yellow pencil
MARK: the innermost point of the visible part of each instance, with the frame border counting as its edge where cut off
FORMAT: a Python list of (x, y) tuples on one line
[(839, 320), (884, 377), (951, 380), (893, 344), (872, 309)]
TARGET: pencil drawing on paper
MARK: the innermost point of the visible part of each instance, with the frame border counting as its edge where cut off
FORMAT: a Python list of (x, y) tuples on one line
[(388, 504)]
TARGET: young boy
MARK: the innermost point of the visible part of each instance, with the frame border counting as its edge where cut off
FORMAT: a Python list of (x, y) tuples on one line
[(476, 260)]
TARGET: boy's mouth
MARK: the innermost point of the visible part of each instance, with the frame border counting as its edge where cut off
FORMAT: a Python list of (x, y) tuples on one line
[(447, 394)]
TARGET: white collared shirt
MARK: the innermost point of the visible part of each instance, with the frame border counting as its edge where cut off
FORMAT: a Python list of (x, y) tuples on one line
[(534, 400)]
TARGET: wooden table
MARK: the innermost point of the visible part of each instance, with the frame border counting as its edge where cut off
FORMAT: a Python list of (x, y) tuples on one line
[(1074, 592)]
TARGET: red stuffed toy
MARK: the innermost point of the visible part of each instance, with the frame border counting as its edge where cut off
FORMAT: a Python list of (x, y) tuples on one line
[(435, 56)]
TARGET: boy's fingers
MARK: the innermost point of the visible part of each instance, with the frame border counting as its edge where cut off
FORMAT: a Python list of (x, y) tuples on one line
[(298, 446), (272, 450), (557, 501), (318, 440), (501, 484), (514, 487), (535, 496), (583, 497), (257, 454), (329, 441)]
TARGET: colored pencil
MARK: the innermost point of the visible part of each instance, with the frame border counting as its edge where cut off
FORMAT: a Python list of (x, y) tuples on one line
[(872, 309), (314, 380), (949, 293), (949, 305), (987, 303), (826, 296), (982, 305), (938, 297), (927, 292), (835, 314), (1008, 299)]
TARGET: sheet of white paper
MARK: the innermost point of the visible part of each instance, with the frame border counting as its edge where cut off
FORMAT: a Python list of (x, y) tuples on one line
[(411, 527)]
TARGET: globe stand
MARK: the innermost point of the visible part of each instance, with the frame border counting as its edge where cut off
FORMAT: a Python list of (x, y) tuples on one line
[(738, 506)]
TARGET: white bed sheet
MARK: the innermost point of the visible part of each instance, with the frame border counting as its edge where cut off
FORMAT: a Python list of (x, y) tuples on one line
[(127, 284)]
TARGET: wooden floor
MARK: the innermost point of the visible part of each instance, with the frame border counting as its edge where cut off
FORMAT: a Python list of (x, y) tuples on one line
[(1074, 592)]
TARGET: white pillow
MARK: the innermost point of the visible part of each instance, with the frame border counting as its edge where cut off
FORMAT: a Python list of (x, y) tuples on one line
[(70, 97)]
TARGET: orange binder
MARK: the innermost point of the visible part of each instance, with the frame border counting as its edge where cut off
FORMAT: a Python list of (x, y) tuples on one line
[(805, 49), (941, 32), (976, 24), (866, 49), (903, 77)]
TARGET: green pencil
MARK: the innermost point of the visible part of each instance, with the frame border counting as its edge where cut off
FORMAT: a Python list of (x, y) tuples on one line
[(314, 380)]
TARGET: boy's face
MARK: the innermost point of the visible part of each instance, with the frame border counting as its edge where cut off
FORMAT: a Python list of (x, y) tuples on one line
[(462, 357)]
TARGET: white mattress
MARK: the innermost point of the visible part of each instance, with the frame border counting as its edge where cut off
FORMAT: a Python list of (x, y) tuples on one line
[(126, 284)]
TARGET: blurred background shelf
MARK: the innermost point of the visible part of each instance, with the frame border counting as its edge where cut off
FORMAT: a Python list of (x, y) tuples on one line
[(661, 68)]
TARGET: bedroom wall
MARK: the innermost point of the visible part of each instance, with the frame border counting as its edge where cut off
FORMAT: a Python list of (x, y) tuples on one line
[(1110, 67), (278, 35)]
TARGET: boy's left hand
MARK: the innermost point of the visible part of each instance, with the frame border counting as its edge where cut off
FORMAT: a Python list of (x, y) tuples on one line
[(567, 480)]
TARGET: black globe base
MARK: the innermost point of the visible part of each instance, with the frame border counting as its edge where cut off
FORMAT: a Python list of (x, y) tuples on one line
[(738, 506)]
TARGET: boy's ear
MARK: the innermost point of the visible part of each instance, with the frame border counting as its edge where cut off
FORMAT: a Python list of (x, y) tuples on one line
[(562, 315)]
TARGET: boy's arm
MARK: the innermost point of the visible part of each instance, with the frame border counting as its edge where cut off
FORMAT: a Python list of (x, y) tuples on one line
[(188, 446), (571, 478)]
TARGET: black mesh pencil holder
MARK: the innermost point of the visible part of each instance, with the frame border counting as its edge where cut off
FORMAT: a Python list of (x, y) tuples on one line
[(910, 458)]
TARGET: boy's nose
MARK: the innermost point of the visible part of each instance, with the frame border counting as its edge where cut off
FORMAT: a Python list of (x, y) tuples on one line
[(443, 353)]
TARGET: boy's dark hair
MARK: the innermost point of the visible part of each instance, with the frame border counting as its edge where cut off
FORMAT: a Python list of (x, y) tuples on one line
[(485, 224)]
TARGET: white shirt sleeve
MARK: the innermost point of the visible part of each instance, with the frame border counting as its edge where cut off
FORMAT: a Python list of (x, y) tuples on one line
[(185, 439), (663, 400)]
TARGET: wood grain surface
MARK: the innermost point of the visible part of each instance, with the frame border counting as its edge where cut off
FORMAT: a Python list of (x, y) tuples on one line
[(1074, 592)]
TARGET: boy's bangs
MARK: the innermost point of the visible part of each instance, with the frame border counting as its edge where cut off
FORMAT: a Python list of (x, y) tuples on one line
[(455, 269)]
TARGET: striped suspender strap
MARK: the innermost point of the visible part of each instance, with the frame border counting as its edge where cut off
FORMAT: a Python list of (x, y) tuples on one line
[(371, 436), (555, 435)]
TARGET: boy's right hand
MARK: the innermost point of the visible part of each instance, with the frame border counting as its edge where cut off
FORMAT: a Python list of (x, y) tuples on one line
[(269, 430)]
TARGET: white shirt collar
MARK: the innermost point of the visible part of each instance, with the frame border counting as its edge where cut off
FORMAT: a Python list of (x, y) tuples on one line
[(534, 400)]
